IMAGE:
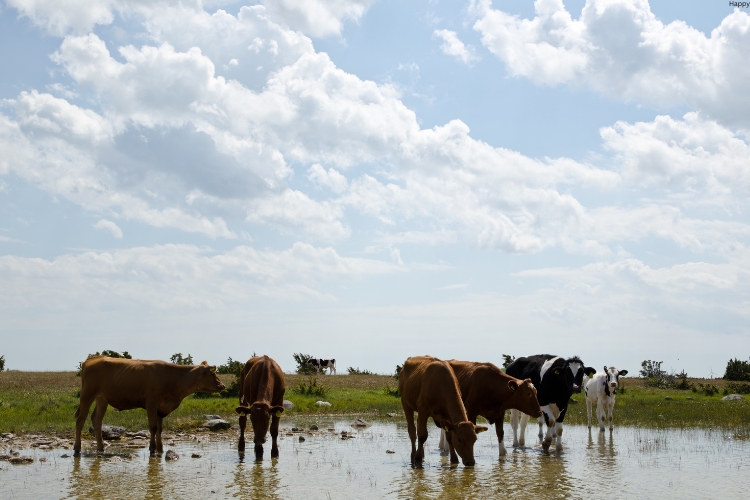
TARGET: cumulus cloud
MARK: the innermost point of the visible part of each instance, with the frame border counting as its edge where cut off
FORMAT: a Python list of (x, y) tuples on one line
[(317, 17), (452, 46), (621, 49), (110, 226)]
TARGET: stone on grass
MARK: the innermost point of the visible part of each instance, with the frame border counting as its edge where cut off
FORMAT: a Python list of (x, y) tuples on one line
[(313, 427), (171, 455), (211, 417), (323, 403), (668, 398), (110, 432), (288, 405), (733, 397), (217, 424)]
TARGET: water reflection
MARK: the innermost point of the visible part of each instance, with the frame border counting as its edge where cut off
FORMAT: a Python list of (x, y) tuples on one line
[(252, 480)]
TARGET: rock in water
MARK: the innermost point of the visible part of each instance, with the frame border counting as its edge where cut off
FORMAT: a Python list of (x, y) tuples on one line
[(196, 455), (313, 427), (733, 397), (288, 405), (211, 417), (217, 424), (22, 460), (361, 422), (110, 432), (171, 455)]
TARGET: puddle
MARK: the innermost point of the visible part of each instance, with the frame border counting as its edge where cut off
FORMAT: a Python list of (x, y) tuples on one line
[(629, 463)]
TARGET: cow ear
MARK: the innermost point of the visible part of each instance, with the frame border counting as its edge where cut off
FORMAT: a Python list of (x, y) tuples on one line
[(242, 410), (558, 371), (605, 368), (623, 372), (480, 428), (513, 385), (204, 362), (277, 410), (447, 425), (589, 371)]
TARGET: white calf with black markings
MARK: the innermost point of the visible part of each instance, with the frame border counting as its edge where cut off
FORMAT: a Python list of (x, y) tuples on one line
[(601, 389)]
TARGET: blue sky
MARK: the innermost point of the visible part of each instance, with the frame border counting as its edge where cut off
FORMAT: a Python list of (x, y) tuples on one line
[(370, 180)]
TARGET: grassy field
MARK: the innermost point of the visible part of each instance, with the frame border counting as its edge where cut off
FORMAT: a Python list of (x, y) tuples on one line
[(44, 402)]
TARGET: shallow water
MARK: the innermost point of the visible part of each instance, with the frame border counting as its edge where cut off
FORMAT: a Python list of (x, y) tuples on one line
[(628, 463)]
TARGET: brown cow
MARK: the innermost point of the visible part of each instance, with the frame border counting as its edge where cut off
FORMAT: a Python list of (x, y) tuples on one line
[(487, 391), (262, 396), (429, 387), (157, 386)]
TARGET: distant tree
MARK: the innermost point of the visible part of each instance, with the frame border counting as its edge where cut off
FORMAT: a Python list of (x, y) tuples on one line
[(737, 370), (302, 367), (108, 353), (357, 371), (398, 370), (507, 360), (651, 369), (2, 363), (179, 360)]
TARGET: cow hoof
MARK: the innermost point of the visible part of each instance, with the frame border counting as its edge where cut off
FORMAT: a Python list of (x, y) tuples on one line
[(503, 451)]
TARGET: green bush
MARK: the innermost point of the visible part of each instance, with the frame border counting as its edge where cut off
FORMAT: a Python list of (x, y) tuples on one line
[(398, 370), (388, 391), (302, 367), (707, 389), (2, 363), (357, 371), (735, 388), (507, 360), (311, 388), (107, 353), (737, 370), (179, 360)]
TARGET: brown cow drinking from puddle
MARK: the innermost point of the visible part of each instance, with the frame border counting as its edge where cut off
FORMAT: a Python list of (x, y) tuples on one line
[(262, 397), (157, 386), (429, 387), (487, 391)]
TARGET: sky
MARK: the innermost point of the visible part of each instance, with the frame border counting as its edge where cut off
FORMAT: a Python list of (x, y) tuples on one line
[(369, 180)]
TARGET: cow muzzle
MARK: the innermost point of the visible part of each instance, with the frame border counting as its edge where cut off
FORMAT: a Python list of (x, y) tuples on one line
[(576, 389)]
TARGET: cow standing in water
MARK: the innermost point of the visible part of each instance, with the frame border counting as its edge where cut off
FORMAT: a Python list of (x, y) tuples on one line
[(601, 389), (429, 387), (157, 386), (488, 392), (555, 379), (262, 397)]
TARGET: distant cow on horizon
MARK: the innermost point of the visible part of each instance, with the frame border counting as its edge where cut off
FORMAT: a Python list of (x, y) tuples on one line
[(320, 363)]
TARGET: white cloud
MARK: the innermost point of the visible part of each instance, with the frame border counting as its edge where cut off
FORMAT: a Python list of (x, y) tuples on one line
[(173, 276), (317, 17), (109, 226), (620, 48), (331, 178), (452, 46)]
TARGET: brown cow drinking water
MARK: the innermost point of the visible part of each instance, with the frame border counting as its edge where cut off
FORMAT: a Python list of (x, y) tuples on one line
[(157, 386), (429, 387), (487, 391), (262, 397)]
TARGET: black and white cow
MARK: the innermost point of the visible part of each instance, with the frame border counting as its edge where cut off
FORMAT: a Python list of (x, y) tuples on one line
[(601, 389), (555, 379), (319, 363)]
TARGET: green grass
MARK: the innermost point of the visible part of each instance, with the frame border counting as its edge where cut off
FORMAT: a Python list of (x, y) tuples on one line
[(45, 402)]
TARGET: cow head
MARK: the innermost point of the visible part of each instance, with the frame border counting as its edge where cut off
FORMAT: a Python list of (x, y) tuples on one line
[(612, 380), (575, 370), (524, 397), (463, 436), (208, 381), (260, 416)]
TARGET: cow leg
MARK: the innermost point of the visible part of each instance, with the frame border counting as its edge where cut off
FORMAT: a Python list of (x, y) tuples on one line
[(152, 427), (96, 420), (159, 422), (514, 426), (600, 415), (610, 413), (409, 414), (82, 413), (588, 410), (540, 421), (243, 424), (274, 434), (558, 436), (451, 448), (500, 434), (422, 434), (550, 420)]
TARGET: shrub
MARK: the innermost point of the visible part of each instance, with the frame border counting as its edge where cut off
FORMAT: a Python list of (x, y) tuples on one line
[(2, 363), (302, 367), (179, 360), (357, 371), (232, 366), (311, 388), (737, 370), (708, 389), (107, 353), (388, 391), (507, 360), (683, 383), (735, 388), (398, 370)]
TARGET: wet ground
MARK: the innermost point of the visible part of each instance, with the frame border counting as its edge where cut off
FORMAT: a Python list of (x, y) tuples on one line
[(373, 462)]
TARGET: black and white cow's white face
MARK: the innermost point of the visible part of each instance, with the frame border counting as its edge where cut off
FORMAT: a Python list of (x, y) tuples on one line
[(576, 370), (612, 381)]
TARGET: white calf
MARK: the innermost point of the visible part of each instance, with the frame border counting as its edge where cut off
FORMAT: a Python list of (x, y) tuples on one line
[(601, 389)]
